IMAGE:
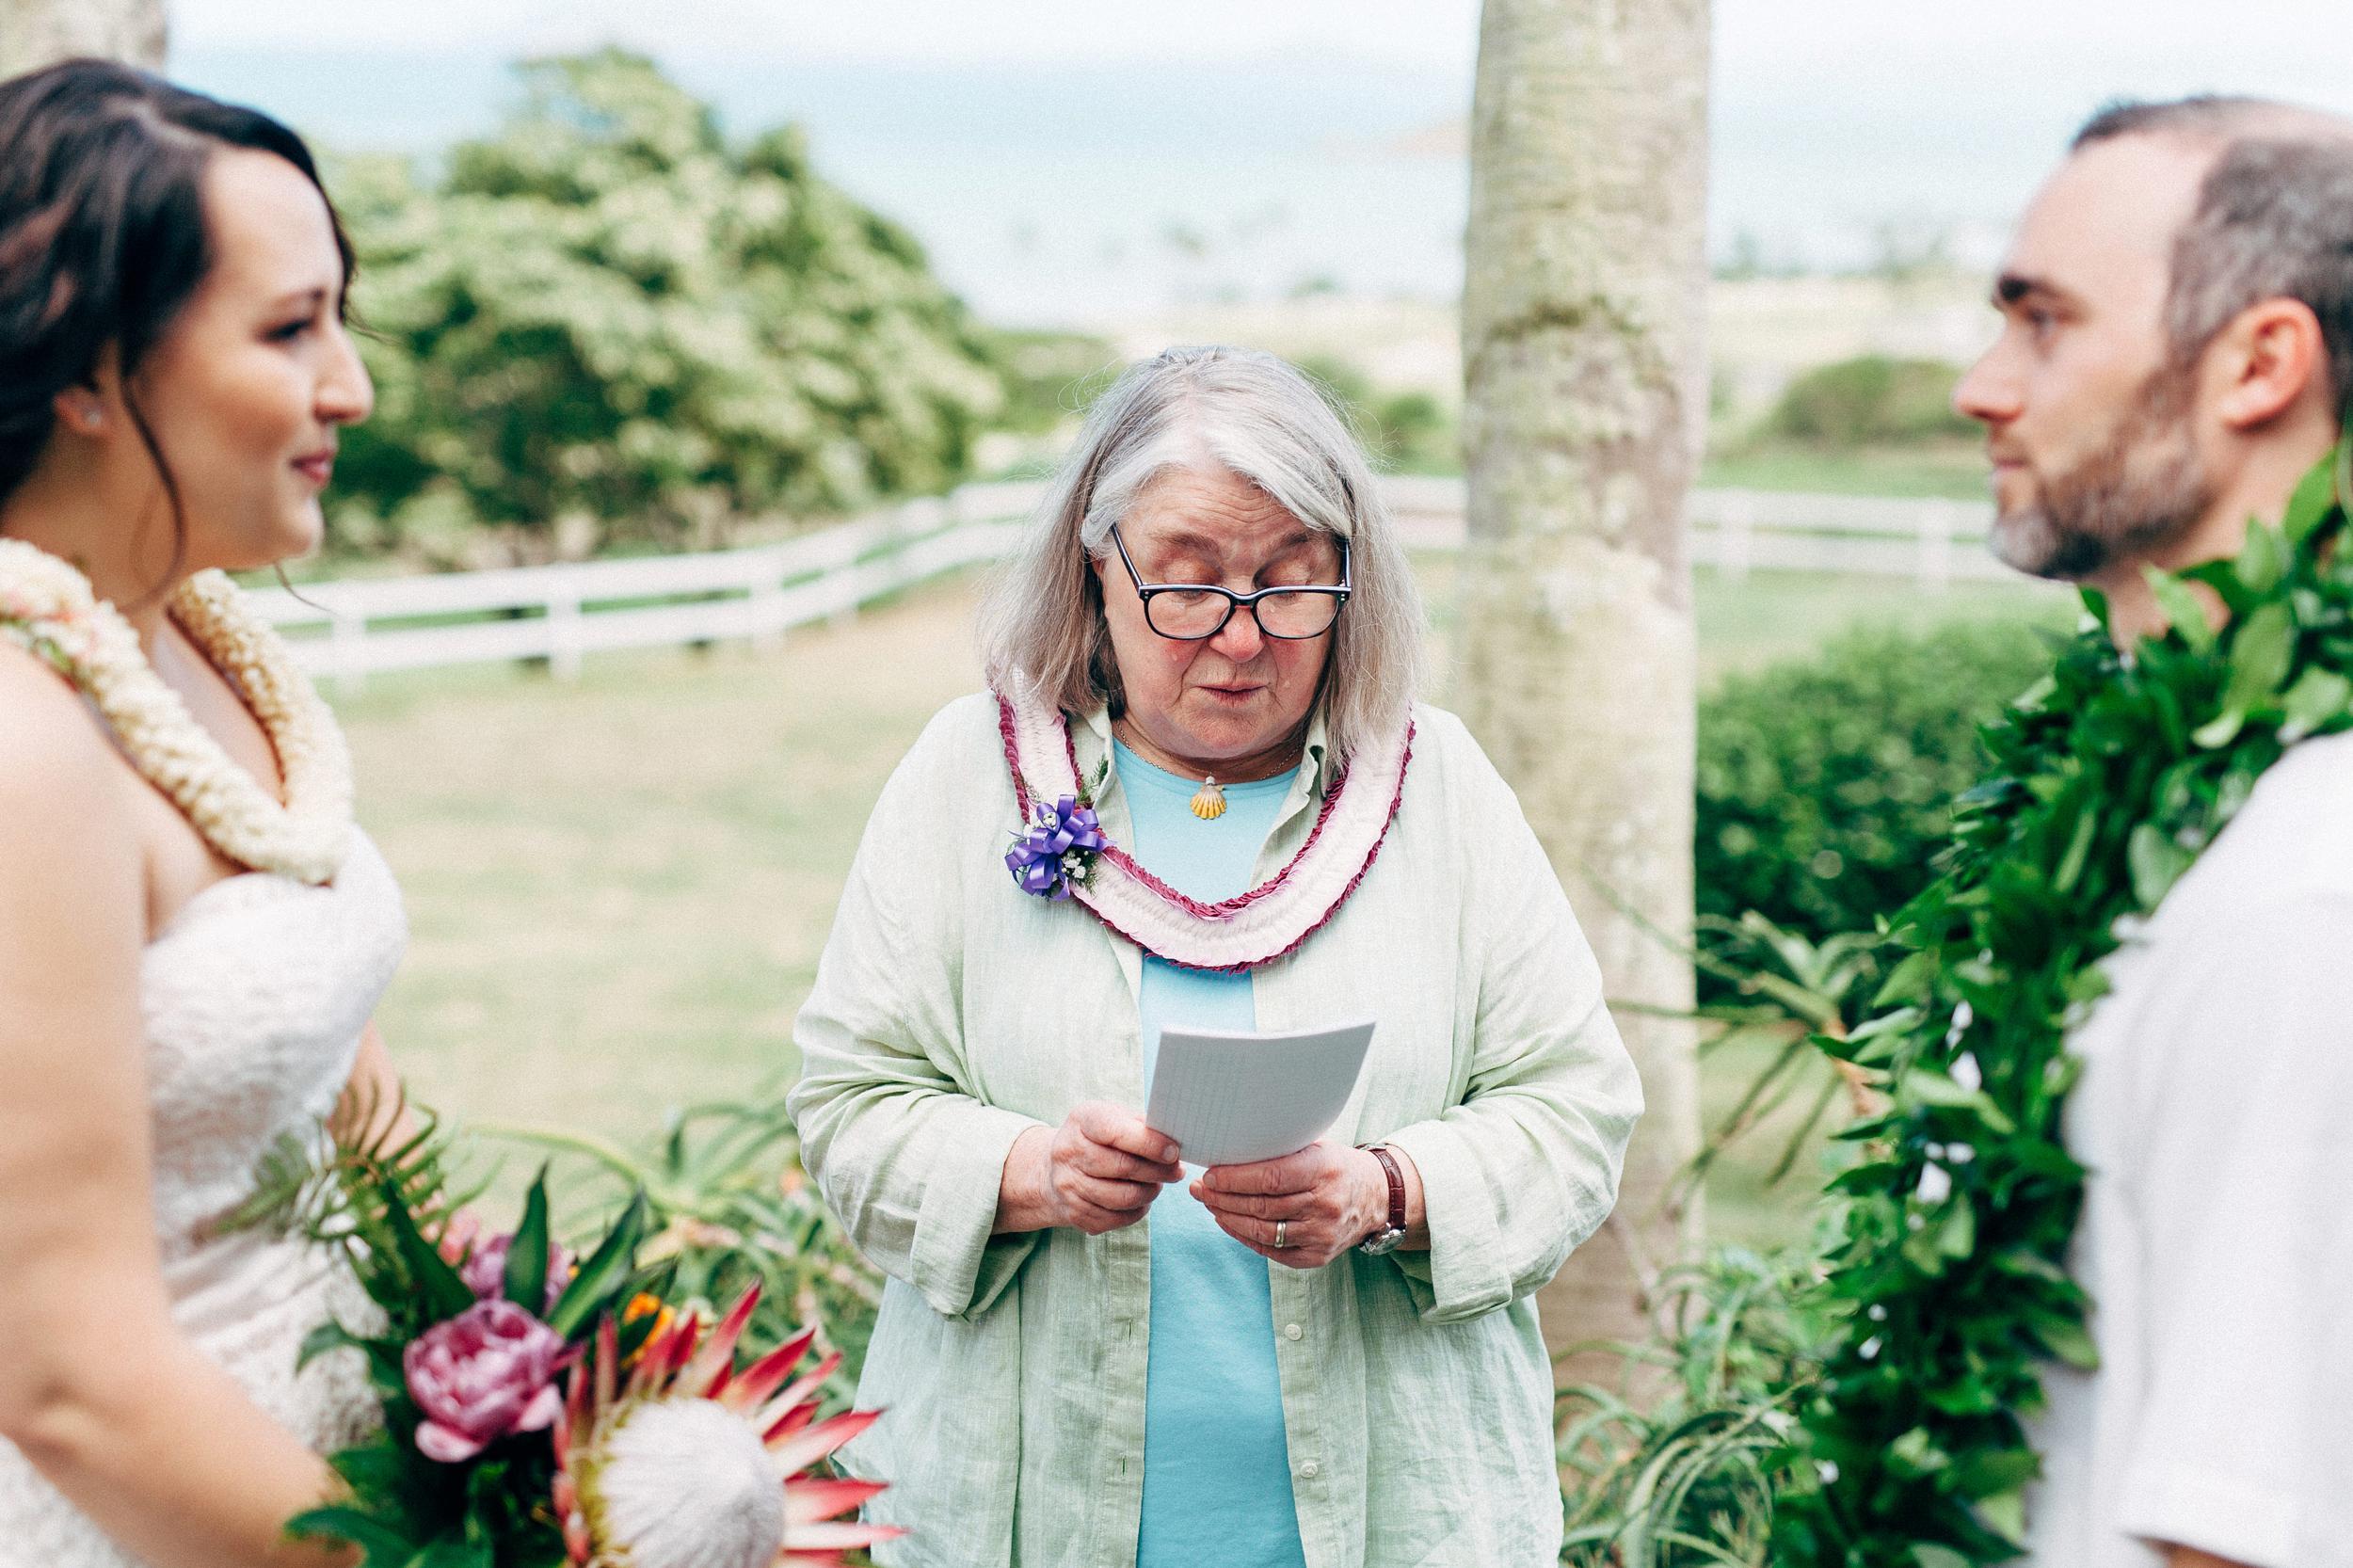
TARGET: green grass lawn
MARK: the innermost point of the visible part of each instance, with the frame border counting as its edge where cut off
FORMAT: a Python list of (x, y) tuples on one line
[(1953, 469), (618, 887)]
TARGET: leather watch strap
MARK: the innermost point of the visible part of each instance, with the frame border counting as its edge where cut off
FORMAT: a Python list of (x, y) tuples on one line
[(1397, 1185)]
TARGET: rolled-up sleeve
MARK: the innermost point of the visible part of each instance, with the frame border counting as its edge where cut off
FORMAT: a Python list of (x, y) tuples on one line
[(909, 1161), (1517, 1176)]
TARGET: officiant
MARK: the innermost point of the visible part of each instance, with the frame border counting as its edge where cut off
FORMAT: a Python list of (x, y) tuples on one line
[(1200, 791)]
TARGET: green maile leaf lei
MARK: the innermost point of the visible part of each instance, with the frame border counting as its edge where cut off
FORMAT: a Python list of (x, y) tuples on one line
[(1947, 1286)]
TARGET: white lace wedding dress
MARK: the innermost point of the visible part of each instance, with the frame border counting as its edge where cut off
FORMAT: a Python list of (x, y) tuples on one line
[(254, 999)]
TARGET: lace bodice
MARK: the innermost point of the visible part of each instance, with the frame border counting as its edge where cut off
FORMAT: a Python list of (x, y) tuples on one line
[(254, 999)]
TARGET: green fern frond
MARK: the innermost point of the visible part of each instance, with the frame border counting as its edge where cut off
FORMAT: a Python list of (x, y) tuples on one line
[(335, 1185)]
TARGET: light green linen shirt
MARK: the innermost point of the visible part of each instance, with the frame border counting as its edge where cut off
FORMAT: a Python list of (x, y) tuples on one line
[(952, 1012)]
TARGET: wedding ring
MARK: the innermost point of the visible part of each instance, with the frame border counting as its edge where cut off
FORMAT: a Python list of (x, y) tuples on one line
[(1280, 1242)]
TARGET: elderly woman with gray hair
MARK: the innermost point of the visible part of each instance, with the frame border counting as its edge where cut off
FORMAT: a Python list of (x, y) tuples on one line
[(1093, 1357)]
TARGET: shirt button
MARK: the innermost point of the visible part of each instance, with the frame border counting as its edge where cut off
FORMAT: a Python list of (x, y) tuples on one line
[(1310, 1470), (1292, 1330)]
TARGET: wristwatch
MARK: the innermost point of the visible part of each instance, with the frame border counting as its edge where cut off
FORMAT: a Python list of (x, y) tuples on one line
[(1388, 1235)]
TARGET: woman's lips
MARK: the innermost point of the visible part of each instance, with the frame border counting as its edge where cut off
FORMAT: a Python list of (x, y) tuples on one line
[(318, 468), (1231, 693)]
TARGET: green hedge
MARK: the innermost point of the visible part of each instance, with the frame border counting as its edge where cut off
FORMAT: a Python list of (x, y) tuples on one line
[(1870, 401), (1825, 784)]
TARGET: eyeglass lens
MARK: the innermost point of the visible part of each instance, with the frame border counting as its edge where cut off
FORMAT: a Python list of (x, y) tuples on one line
[(1201, 613)]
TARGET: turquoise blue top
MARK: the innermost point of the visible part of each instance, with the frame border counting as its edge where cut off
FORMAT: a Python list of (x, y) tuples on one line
[(1217, 1484)]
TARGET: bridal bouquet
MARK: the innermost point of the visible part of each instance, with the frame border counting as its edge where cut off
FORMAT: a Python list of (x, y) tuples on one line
[(543, 1413)]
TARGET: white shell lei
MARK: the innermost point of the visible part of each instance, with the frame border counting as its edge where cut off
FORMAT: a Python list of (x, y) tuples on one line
[(49, 608)]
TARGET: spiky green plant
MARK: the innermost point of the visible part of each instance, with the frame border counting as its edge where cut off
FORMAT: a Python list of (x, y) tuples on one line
[(361, 1183), (1687, 1477), (732, 1208)]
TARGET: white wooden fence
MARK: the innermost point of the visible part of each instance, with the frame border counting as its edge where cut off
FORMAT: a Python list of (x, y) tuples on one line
[(348, 629)]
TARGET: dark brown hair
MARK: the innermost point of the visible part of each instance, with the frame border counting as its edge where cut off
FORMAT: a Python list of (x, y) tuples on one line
[(2274, 219), (103, 236)]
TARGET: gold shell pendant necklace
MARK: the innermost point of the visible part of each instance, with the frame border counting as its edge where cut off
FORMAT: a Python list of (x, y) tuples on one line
[(1208, 802)]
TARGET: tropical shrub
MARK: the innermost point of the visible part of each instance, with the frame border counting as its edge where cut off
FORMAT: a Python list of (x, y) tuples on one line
[(1824, 784), (1870, 401), (606, 322), (1406, 432), (1050, 377)]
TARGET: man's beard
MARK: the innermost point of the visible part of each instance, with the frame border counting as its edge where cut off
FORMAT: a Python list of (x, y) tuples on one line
[(2143, 487)]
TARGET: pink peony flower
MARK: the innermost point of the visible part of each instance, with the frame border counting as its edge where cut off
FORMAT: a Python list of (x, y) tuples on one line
[(485, 1269), (482, 1375)]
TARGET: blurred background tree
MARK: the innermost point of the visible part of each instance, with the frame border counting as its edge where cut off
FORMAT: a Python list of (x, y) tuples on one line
[(34, 33), (605, 323), (1585, 404)]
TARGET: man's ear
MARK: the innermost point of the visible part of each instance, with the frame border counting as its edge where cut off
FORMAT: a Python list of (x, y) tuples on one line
[(2269, 357)]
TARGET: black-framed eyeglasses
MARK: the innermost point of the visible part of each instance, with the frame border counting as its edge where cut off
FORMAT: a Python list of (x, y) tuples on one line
[(1194, 612)]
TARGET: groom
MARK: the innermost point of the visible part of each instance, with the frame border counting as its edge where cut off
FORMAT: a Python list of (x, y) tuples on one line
[(2176, 353)]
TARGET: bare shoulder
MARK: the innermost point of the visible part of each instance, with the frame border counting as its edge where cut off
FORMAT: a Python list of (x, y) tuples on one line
[(58, 775)]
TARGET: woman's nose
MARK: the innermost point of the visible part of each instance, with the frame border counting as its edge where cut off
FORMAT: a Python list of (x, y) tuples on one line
[(346, 395), (1239, 638)]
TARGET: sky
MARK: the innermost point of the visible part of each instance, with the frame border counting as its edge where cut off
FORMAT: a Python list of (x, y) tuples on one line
[(1069, 160), (1832, 46), (1436, 33)]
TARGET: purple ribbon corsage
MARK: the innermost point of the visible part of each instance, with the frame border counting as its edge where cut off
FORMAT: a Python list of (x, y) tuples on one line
[(1058, 850)]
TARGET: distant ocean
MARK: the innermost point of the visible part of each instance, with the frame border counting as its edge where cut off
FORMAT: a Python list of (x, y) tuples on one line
[(1083, 196)]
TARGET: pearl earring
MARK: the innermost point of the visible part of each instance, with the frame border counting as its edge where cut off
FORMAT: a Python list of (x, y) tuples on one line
[(90, 419)]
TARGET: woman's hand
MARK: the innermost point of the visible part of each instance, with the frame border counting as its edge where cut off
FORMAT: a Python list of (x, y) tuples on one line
[(1327, 1197), (1098, 1171)]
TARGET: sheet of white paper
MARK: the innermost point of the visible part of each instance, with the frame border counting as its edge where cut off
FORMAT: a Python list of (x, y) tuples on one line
[(1229, 1099)]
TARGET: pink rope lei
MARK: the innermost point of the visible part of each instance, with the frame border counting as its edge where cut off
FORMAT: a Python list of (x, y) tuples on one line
[(1271, 921)]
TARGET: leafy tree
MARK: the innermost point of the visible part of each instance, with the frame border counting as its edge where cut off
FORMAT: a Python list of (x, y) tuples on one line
[(35, 32), (607, 323)]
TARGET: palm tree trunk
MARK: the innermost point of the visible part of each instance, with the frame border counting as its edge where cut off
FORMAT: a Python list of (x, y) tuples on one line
[(1585, 400), (34, 33)]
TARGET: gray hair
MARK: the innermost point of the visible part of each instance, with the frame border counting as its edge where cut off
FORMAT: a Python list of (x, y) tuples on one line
[(2274, 219), (1042, 625)]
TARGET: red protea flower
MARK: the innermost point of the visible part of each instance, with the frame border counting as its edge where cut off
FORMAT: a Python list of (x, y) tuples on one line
[(689, 1463)]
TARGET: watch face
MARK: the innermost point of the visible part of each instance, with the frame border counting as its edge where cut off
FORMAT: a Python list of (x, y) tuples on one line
[(1381, 1241)]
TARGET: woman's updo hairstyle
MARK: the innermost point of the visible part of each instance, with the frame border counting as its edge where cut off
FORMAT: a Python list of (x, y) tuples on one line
[(103, 237)]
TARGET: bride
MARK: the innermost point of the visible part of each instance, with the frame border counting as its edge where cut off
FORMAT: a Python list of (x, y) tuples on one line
[(192, 935)]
